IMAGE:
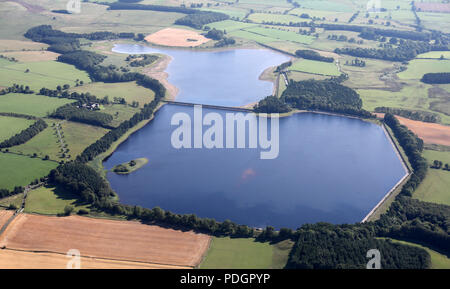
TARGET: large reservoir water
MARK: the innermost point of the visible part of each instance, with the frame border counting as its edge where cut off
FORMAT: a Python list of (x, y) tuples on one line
[(330, 168), (226, 78)]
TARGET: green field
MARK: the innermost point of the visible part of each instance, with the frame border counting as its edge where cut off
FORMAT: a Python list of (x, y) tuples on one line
[(418, 67), (51, 201), (435, 187), (128, 90), (17, 170), (230, 25), (31, 104), (47, 74), (315, 67), (281, 35), (120, 113), (15, 200), (438, 260), (435, 54), (229, 253), (10, 126), (276, 18), (77, 136)]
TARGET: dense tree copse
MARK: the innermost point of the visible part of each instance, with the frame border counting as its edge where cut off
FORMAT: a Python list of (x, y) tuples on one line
[(325, 95), (201, 18), (272, 104), (326, 246), (313, 55), (6, 193), (25, 135), (162, 8), (436, 78), (141, 60), (78, 114), (419, 115)]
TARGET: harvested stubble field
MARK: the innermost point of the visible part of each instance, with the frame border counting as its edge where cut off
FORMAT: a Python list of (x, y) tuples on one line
[(13, 259), (105, 239), (4, 216), (177, 37)]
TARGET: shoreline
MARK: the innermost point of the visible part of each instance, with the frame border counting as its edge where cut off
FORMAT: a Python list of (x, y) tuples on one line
[(399, 184)]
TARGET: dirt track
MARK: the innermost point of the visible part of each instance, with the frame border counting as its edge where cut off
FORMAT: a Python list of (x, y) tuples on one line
[(177, 38), (112, 240)]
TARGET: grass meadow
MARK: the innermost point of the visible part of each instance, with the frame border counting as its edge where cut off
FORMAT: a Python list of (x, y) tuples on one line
[(76, 136), (47, 74), (128, 90), (51, 201), (435, 187), (315, 67), (18, 170), (246, 254), (10, 126), (31, 104)]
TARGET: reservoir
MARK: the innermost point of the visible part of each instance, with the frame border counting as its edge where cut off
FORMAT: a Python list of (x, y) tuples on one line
[(329, 168), (225, 78)]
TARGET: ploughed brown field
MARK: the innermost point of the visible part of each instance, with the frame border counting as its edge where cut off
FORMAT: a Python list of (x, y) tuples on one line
[(431, 133), (176, 37), (102, 239)]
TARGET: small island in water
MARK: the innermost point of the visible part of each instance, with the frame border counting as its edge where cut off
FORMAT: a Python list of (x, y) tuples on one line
[(131, 166)]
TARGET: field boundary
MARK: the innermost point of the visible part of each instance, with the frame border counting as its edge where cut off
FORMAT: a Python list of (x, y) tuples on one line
[(94, 257)]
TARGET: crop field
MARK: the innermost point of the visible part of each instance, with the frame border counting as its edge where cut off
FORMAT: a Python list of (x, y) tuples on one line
[(30, 104), (14, 259), (315, 67), (431, 133), (177, 38), (51, 201), (10, 126), (76, 136), (47, 74), (245, 254), (128, 90), (4, 216), (418, 67), (22, 170), (435, 186), (430, 20), (100, 238)]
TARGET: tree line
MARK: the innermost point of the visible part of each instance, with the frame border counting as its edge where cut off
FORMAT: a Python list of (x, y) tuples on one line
[(17, 88), (413, 147), (406, 51), (419, 115), (6, 193), (25, 135)]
